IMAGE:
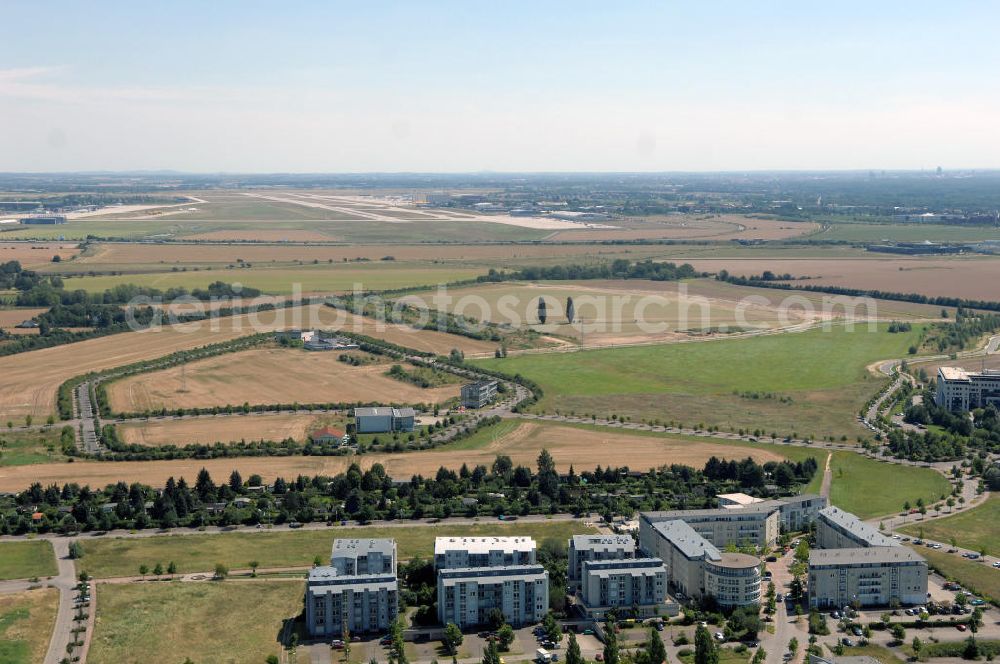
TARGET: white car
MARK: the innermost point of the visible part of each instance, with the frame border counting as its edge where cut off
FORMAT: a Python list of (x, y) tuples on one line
[(719, 636)]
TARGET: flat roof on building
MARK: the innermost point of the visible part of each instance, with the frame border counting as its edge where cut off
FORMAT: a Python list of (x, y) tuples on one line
[(363, 546), (864, 555), (482, 544), (583, 542)]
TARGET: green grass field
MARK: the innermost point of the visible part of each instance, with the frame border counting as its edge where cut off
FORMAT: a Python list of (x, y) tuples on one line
[(914, 232), (872, 488), (200, 553), (280, 281), (20, 448), (26, 560), (26, 621), (881, 653), (975, 529), (823, 372), (210, 623), (978, 577)]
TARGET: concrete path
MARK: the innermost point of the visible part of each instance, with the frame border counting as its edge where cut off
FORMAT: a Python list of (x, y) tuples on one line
[(65, 581)]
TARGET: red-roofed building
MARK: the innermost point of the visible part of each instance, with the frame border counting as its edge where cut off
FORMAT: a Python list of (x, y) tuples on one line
[(327, 436)]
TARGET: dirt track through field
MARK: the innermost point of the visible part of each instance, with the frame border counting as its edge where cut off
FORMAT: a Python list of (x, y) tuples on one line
[(583, 448)]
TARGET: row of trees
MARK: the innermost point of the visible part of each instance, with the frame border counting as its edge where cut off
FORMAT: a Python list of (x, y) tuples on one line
[(364, 495)]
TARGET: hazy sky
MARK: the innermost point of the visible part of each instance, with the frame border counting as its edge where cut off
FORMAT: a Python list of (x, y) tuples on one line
[(510, 86)]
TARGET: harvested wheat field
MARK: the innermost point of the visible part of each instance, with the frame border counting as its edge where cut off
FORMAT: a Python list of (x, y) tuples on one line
[(31, 380), (967, 277), (32, 255), (11, 317), (581, 447), (226, 428), (264, 376)]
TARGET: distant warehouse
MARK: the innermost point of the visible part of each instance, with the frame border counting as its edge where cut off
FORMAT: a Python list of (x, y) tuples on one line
[(43, 220), (479, 394), (384, 420), (961, 390)]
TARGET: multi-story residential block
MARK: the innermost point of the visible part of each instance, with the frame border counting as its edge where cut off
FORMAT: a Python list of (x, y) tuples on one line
[(733, 579), (961, 390), (756, 524), (452, 552), (358, 592), (478, 574), (467, 595), (583, 548), (625, 584), (364, 556), (837, 529), (697, 568), (866, 576)]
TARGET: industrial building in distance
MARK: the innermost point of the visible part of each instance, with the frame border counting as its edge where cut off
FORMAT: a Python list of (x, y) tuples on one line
[(384, 420), (479, 394), (961, 390)]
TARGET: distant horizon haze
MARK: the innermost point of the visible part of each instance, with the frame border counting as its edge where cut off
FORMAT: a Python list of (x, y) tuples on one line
[(452, 87)]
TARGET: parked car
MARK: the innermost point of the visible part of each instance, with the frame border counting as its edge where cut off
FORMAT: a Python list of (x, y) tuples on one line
[(857, 631), (719, 636), (961, 628), (847, 642)]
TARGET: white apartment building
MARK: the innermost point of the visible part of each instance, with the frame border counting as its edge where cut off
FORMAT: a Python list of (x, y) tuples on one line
[(452, 552), (478, 574), (467, 595), (869, 576), (583, 548), (837, 529), (733, 579), (961, 390), (625, 584), (697, 568), (756, 524), (357, 591)]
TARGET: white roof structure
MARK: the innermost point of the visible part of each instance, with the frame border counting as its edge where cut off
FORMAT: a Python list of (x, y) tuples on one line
[(483, 544)]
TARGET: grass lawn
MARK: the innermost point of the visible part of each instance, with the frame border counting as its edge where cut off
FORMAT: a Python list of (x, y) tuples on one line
[(822, 372), (974, 529), (915, 232), (199, 553), (726, 656), (484, 436), (978, 577), (20, 448), (27, 559), (212, 623), (871, 488), (880, 653), (26, 622)]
